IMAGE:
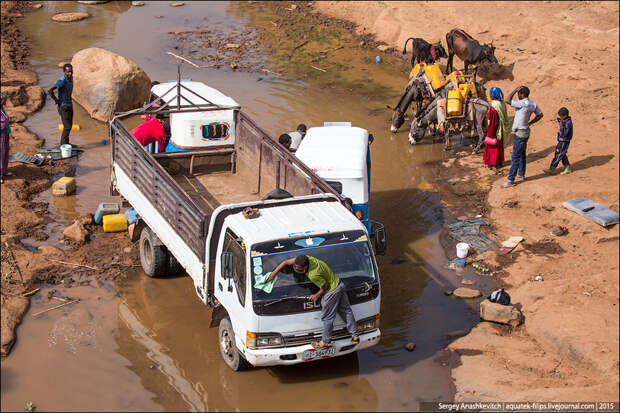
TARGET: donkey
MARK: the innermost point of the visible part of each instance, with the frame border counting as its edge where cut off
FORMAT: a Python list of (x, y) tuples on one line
[(467, 49), (419, 125), (415, 92)]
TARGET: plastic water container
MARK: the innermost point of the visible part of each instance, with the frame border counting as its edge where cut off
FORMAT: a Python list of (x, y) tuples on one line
[(462, 248), (65, 150), (132, 216), (64, 186), (114, 223), (76, 128), (105, 209), (455, 74), (416, 69), (454, 103), (434, 75)]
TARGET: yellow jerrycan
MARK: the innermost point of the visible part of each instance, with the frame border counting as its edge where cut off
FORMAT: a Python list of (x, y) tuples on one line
[(434, 75), (454, 103)]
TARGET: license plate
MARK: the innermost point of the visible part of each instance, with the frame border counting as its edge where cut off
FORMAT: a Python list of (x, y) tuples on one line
[(314, 354)]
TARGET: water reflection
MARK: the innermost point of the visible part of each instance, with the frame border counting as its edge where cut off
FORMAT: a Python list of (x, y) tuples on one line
[(165, 336)]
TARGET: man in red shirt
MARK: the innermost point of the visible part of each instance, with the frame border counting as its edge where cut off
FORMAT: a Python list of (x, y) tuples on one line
[(151, 131)]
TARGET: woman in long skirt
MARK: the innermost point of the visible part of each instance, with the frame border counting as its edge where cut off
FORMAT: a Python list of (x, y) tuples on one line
[(499, 129)]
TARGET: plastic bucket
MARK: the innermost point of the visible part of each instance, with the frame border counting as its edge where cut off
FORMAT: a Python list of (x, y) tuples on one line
[(65, 150), (461, 249)]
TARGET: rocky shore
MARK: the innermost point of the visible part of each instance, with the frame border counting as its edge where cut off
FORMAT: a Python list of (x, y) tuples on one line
[(80, 260)]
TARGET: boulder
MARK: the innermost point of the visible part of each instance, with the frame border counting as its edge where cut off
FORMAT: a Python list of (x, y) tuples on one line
[(76, 232), (69, 17), (466, 293), (104, 83), (498, 313)]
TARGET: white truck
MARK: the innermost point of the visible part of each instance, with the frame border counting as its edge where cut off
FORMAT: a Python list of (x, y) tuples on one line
[(206, 211)]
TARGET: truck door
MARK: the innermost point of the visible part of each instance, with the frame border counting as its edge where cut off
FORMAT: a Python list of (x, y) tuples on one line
[(231, 273)]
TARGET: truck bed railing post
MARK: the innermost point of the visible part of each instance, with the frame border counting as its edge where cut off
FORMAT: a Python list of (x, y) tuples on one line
[(260, 165)]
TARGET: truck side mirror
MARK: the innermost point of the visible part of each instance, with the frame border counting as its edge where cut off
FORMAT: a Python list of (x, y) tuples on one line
[(227, 265), (378, 238)]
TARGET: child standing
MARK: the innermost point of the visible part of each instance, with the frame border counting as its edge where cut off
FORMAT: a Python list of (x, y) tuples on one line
[(565, 134)]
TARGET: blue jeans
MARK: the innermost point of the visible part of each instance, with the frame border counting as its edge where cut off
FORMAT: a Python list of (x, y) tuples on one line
[(517, 167)]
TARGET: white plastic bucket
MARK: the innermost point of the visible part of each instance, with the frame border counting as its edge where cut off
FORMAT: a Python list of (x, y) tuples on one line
[(65, 150), (461, 249)]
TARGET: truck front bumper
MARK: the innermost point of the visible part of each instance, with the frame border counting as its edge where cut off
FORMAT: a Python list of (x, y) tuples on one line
[(300, 354)]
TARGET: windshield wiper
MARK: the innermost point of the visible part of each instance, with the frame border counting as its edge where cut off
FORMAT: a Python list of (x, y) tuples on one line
[(279, 300)]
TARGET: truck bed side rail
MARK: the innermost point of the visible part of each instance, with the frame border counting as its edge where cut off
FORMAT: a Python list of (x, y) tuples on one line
[(277, 167), (178, 209)]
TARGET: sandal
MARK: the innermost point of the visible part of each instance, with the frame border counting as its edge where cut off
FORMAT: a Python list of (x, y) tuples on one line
[(319, 345)]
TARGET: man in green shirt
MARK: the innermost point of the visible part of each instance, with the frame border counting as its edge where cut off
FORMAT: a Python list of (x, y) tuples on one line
[(334, 301)]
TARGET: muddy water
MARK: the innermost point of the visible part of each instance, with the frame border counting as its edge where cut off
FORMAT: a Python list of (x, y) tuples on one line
[(146, 345)]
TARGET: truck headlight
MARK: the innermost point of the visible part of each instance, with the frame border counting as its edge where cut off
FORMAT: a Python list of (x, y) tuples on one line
[(258, 340), (368, 324)]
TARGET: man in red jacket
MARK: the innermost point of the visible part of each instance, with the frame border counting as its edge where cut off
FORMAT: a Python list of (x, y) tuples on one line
[(151, 131)]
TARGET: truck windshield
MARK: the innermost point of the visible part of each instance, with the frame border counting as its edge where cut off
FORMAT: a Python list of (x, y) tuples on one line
[(348, 254)]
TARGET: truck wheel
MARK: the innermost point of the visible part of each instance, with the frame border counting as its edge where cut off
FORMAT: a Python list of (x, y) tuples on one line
[(153, 255), (228, 349), (173, 265)]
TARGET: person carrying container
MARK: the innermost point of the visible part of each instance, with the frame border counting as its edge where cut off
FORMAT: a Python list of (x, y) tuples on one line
[(331, 289), (63, 101)]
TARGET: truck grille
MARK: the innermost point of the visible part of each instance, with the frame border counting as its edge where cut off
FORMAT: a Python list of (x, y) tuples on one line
[(292, 341)]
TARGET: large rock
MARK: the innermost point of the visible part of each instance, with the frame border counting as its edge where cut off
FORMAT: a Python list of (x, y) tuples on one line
[(466, 293), (105, 82), (498, 313), (69, 17)]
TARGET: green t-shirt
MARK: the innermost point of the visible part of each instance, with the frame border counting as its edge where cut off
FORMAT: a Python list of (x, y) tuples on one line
[(319, 273)]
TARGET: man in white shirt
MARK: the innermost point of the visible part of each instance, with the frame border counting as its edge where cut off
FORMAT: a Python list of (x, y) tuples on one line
[(297, 136), (524, 108)]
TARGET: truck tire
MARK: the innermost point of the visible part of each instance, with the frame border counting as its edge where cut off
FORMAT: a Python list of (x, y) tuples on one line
[(228, 349), (174, 267), (153, 255)]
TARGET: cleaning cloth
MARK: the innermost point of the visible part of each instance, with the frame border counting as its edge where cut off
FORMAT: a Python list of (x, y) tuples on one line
[(262, 283)]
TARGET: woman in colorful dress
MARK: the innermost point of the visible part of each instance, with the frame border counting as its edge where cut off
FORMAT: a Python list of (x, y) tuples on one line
[(498, 131)]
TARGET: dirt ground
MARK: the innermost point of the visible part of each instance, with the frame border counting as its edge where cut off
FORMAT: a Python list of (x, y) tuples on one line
[(23, 270), (567, 54)]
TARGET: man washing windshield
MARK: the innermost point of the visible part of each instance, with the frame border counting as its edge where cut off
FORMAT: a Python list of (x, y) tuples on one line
[(333, 291)]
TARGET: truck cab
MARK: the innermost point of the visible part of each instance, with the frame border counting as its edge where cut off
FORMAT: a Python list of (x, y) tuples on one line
[(269, 325)]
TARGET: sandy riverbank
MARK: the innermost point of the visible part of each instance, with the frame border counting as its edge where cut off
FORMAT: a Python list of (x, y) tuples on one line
[(567, 54), (23, 270)]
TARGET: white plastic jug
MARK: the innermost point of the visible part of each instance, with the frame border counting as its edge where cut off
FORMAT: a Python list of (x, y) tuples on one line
[(65, 150), (462, 248)]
